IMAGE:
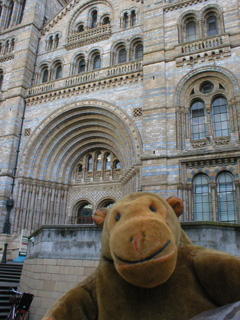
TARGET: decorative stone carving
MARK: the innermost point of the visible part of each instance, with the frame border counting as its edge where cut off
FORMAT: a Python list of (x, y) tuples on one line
[(221, 141), (89, 36), (198, 144)]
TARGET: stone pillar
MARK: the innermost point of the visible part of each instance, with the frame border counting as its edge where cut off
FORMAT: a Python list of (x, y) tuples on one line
[(4, 16), (213, 186), (15, 13), (39, 207), (17, 209), (32, 211), (190, 201), (208, 120), (237, 192)]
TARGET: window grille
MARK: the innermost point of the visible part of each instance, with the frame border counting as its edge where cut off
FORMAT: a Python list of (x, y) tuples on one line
[(137, 112), (191, 30), (27, 132), (220, 117), (226, 198), (198, 120), (201, 198)]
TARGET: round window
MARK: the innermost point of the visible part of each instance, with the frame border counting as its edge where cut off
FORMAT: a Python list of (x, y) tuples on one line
[(206, 87)]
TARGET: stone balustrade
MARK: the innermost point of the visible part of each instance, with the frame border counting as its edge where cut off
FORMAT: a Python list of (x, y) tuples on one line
[(126, 68), (89, 36), (205, 44)]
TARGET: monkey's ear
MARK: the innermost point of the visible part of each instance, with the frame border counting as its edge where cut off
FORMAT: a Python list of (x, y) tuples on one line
[(99, 216), (177, 205)]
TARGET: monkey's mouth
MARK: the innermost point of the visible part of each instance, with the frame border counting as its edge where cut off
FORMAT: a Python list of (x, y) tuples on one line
[(151, 256)]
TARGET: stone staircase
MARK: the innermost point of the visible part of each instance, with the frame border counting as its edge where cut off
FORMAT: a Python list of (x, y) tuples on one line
[(10, 274)]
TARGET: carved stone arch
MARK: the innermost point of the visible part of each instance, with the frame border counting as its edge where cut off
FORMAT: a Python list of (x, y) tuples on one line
[(225, 73), (224, 84), (87, 6), (90, 55), (218, 12), (124, 11), (101, 201), (136, 9), (55, 146), (212, 6), (182, 21), (134, 41), (114, 48), (76, 206), (187, 14), (57, 60), (77, 54)]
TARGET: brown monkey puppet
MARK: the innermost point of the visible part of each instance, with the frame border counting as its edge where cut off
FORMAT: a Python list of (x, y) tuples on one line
[(149, 269)]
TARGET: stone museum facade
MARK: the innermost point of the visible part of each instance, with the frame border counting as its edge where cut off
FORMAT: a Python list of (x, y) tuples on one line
[(102, 98)]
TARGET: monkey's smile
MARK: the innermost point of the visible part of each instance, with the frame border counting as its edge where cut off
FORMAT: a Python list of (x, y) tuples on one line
[(147, 258)]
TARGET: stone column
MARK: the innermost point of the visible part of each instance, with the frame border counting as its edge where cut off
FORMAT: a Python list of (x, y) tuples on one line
[(213, 187), (24, 206), (15, 13), (190, 201), (237, 192), (4, 16), (18, 208), (39, 208), (208, 120), (32, 210)]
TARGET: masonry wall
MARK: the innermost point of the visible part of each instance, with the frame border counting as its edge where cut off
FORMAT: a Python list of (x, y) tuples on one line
[(49, 279), (61, 256)]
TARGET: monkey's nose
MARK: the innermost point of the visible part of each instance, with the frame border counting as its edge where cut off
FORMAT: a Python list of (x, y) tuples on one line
[(137, 240)]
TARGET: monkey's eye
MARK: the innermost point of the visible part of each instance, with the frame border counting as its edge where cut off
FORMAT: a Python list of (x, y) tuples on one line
[(153, 209), (117, 217)]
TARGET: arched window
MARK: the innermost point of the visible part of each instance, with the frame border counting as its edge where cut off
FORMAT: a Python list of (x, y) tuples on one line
[(10, 12), (198, 120), (80, 168), (96, 62), (106, 20), (22, 10), (108, 161), (12, 45), (116, 164), (206, 87), (226, 197), (84, 215), (94, 19), (125, 20), (50, 43), (201, 198), (191, 31), (90, 164), (81, 66), (139, 52), (58, 72), (212, 26), (56, 41), (99, 162), (220, 117), (44, 74), (7, 46), (122, 55), (80, 28), (108, 203), (1, 79), (133, 18)]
